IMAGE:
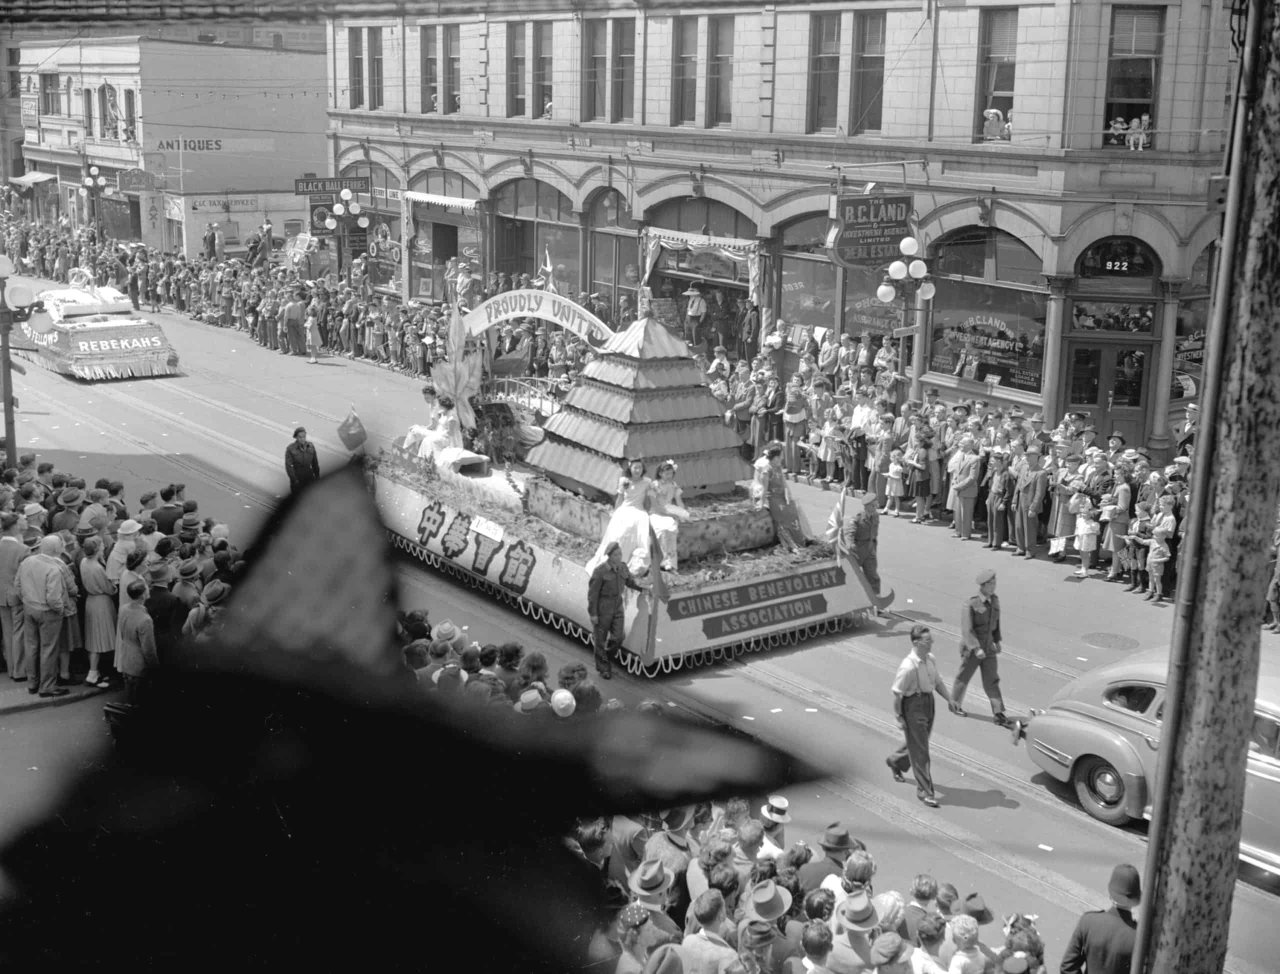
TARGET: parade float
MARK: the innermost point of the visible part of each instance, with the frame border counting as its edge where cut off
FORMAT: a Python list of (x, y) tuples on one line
[(527, 530), (93, 333)]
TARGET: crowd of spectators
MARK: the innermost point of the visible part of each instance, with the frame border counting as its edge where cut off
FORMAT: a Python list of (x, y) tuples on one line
[(86, 575), (719, 889)]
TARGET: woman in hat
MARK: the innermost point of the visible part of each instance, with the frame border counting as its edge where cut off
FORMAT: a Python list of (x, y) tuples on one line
[(1116, 519), (99, 609), (134, 571)]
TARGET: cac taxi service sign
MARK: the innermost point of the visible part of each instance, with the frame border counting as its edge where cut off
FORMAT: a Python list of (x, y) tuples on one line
[(868, 229)]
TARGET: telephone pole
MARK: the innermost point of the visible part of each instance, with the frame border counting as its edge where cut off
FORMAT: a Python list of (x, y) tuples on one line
[(1213, 670)]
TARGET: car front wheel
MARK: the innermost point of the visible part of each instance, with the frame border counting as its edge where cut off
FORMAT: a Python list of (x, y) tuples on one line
[(1101, 790)]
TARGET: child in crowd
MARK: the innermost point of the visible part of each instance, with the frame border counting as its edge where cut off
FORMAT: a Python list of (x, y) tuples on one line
[(894, 487), (829, 445), (1087, 527), (1136, 545)]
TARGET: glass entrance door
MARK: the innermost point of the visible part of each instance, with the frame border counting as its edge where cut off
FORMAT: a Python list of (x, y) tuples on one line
[(1110, 382)]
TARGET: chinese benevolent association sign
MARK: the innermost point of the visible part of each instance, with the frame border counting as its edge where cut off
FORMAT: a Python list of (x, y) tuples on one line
[(867, 229), (309, 187)]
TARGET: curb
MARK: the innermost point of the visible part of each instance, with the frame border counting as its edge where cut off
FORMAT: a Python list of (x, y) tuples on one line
[(36, 702)]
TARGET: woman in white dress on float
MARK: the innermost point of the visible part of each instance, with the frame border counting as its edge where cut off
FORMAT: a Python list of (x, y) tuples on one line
[(666, 510), (629, 525)]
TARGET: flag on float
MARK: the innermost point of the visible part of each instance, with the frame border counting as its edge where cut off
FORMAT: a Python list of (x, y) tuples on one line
[(549, 273), (660, 590), (835, 521)]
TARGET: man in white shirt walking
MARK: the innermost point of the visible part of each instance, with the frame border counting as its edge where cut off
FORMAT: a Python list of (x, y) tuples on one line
[(914, 685)]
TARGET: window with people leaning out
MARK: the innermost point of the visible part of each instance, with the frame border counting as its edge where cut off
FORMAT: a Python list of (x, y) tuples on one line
[(1133, 78), (997, 65)]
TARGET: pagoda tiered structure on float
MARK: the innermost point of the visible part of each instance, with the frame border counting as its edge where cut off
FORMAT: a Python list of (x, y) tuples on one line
[(642, 397)]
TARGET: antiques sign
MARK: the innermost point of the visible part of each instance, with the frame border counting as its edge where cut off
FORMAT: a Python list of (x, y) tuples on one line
[(867, 229)]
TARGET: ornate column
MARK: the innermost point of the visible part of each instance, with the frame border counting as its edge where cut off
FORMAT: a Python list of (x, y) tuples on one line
[(1162, 375), (1053, 334), (919, 315)]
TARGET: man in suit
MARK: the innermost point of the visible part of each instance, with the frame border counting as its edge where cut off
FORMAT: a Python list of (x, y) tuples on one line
[(1028, 498), (12, 552), (300, 461), (136, 653), (167, 611), (169, 512), (965, 485), (837, 844), (1102, 942), (980, 647), (606, 606)]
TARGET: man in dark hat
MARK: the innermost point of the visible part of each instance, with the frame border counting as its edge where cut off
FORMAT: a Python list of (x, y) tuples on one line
[(1103, 940), (837, 844), (1115, 446), (980, 647), (1184, 434)]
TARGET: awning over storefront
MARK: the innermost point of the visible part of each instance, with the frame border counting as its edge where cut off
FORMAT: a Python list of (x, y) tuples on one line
[(456, 203), (730, 248), (31, 178)]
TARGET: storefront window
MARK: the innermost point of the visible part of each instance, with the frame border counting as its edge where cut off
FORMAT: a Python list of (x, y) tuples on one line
[(1135, 317), (615, 258), (989, 334), (702, 216), (808, 291), (536, 224), (1193, 324), (864, 312), (382, 205), (441, 233), (385, 262)]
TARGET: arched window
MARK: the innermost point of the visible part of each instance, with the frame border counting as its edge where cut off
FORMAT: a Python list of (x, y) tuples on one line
[(1119, 258), (615, 258), (442, 233), (707, 216), (989, 310), (535, 224), (987, 254), (807, 286)]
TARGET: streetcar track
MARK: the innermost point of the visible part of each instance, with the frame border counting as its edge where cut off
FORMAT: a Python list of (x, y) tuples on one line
[(198, 467)]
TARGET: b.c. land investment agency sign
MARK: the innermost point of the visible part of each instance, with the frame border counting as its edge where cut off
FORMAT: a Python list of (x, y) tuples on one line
[(868, 229)]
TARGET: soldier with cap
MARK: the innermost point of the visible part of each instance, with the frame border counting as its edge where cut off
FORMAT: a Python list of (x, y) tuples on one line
[(860, 536), (980, 647)]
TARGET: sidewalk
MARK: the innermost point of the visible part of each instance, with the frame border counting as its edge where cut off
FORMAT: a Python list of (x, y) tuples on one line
[(15, 699)]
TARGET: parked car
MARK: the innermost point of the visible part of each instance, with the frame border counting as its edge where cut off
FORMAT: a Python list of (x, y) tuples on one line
[(1101, 734)]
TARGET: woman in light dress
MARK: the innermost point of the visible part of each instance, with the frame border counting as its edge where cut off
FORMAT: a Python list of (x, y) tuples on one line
[(442, 432), (99, 609), (666, 507), (629, 525)]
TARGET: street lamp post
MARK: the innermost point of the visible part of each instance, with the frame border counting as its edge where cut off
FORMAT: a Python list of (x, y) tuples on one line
[(95, 187), (22, 299), (345, 213), (910, 278)]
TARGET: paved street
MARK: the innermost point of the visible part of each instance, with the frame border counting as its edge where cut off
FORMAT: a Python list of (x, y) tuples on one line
[(1003, 830)]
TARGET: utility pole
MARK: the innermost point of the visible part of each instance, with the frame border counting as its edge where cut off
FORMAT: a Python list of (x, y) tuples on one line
[(1213, 670)]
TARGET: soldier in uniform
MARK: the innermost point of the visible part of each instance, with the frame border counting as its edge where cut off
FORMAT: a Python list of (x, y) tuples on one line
[(860, 535), (606, 606), (980, 646)]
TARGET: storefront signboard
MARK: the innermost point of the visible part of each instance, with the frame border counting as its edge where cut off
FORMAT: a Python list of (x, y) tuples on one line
[(320, 206), (30, 108), (868, 229), (307, 187), (224, 204), (136, 181)]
